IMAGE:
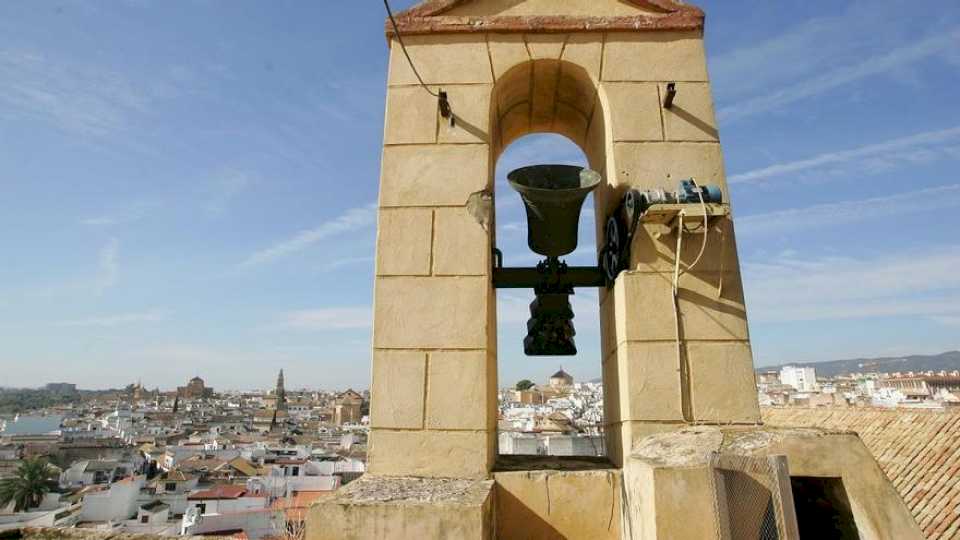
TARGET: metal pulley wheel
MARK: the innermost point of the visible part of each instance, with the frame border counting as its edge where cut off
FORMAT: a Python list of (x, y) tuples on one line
[(610, 255)]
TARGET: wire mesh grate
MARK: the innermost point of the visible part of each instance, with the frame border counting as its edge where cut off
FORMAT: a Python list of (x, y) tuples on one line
[(752, 498)]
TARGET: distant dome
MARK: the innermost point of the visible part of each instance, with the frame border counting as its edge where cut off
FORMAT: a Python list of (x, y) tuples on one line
[(561, 379)]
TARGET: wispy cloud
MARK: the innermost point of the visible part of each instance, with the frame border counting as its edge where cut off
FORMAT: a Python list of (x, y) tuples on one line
[(921, 284), (877, 64), (108, 268), (832, 214), (128, 214), (118, 320), (351, 220), (226, 187), (948, 321), (919, 147), (346, 261), (80, 99), (340, 318)]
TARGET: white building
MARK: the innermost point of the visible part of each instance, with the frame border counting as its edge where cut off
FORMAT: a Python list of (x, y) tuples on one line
[(802, 379), (118, 502)]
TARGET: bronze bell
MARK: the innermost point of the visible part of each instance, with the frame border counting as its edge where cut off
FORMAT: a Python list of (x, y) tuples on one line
[(553, 196)]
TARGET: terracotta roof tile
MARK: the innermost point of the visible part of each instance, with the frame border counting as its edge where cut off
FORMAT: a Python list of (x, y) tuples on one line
[(919, 451)]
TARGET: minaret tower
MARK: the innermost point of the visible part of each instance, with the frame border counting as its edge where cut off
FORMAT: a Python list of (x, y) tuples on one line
[(281, 394)]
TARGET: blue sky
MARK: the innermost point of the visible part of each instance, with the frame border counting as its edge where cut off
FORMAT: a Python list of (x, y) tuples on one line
[(186, 187)]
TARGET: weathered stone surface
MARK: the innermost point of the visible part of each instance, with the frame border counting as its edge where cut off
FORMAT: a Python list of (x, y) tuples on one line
[(664, 165), (431, 454), (706, 313), (543, 98), (430, 313), (411, 116), (451, 404), (461, 244), (722, 382), (650, 381), (661, 56), (548, 17), (691, 118), (678, 463), (403, 242), (569, 8), (433, 175), (558, 504), (575, 92), (614, 388), (397, 395), (527, 463), (471, 109), (402, 508), (638, 118), (654, 247), (686, 447), (514, 124), (569, 122), (545, 46), (441, 59), (586, 52), (506, 52)]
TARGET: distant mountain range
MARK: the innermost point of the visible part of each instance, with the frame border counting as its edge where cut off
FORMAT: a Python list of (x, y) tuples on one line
[(947, 361)]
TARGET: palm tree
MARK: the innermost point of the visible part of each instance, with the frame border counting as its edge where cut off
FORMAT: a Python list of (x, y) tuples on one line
[(28, 487)]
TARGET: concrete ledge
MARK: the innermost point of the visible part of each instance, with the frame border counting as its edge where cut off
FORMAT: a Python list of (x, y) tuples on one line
[(518, 463), (667, 478), (540, 497), (399, 508)]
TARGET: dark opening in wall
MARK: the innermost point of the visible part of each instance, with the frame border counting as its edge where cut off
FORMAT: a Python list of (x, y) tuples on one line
[(823, 509)]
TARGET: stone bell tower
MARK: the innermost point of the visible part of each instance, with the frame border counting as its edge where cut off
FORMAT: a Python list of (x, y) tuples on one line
[(596, 72), (626, 80)]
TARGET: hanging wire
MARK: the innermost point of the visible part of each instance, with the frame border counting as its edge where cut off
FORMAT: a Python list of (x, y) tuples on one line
[(396, 31)]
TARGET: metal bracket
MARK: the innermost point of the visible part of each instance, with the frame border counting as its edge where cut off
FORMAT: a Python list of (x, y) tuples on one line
[(550, 275), (671, 93), (445, 110)]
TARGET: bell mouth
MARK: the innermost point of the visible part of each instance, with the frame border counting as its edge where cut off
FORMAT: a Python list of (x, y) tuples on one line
[(553, 178)]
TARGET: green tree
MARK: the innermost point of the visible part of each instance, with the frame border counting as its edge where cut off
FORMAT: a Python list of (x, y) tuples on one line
[(27, 488), (525, 384)]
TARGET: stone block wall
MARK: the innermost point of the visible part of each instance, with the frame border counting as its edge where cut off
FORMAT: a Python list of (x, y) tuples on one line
[(434, 361), (434, 390)]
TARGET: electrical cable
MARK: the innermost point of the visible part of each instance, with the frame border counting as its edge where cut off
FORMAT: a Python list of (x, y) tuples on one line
[(685, 397), (706, 231), (685, 406), (403, 47)]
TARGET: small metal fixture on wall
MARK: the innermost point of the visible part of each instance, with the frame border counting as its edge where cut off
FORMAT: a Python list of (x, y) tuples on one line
[(553, 196)]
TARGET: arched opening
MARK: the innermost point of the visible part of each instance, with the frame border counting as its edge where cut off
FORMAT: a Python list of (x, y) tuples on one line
[(548, 112)]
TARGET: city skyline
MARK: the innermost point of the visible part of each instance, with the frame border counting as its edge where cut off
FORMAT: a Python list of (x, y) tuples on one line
[(192, 189)]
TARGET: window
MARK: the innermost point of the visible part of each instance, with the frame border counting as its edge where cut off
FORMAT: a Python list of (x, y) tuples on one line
[(145, 519), (171, 486)]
